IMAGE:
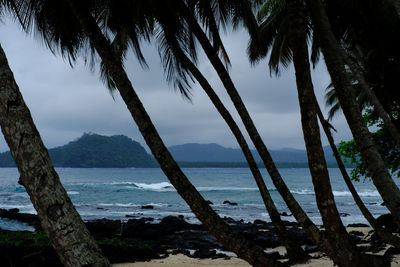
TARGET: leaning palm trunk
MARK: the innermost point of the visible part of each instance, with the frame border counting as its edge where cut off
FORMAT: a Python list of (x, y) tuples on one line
[(383, 233), (308, 226), (372, 97), (58, 216), (216, 226), (295, 253), (365, 144), (346, 253)]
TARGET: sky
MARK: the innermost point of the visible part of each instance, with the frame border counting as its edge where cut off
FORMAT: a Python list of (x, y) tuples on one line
[(66, 102)]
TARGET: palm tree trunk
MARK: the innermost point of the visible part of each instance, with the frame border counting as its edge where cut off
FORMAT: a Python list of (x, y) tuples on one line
[(346, 253), (372, 97), (295, 253), (308, 226), (59, 218), (230, 239), (383, 233), (365, 144)]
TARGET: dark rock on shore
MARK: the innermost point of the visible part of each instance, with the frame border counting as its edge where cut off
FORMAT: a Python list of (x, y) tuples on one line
[(142, 239), (230, 203), (13, 214), (147, 207), (357, 225)]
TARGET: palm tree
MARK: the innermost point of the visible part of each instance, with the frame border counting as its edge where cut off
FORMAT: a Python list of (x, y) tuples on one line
[(88, 30), (382, 232), (58, 216), (287, 30), (336, 67), (175, 59), (309, 227)]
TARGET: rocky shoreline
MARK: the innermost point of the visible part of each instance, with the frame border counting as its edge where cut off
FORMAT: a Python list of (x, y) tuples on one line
[(143, 240)]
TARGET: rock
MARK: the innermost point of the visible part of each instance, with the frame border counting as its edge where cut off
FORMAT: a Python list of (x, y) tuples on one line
[(309, 249), (13, 214), (129, 216), (173, 220), (285, 214), (383, 204), (274, 255), (230, 203), (209, 202), (259, 222), (104, 228), (392, 251), (357, 233), (344, 214), (15, 210), (356, 236), (147, 207), (204, 253), (357, 225)]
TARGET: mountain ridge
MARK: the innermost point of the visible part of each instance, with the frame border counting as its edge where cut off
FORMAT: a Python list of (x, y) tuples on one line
[(119, 151)]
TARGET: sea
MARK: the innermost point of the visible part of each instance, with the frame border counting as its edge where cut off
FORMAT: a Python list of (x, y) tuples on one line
[(119, 194)]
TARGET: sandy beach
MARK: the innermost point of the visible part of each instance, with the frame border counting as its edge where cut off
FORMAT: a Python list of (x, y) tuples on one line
[(181, 260)]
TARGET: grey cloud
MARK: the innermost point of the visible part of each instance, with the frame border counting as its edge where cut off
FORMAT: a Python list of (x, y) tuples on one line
[(66, 102)]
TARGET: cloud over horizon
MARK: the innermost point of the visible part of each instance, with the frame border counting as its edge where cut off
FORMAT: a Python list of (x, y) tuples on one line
[(65, 102)]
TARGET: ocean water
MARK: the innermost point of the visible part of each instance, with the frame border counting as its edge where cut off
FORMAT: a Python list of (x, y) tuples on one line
[(116, 193)]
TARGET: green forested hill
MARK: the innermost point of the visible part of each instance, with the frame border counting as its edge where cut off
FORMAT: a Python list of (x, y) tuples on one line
[(96, 151)]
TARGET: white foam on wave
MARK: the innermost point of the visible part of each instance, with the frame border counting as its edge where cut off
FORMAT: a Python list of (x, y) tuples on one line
[(227, 189), (119, 205), (163, 186), (72, 193), (369, 194), (302, 192), (338, 193), (115, 183), (341, 193)]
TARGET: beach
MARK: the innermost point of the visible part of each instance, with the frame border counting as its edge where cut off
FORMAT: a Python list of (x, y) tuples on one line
[(318, 258), (182, 260)]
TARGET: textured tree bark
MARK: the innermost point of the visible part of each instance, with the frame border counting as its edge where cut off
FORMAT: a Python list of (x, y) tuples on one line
[(346, 253), (372, 97), (383, 233), (230, 239), (58, 216), (294, 251), (369, 153)]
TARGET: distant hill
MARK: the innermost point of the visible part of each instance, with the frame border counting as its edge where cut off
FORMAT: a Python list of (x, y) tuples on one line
[(96, 151), (203, 153), (119, 151)]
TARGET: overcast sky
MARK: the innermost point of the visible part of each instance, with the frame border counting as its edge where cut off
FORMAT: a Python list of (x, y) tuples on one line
[(65, 102)]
